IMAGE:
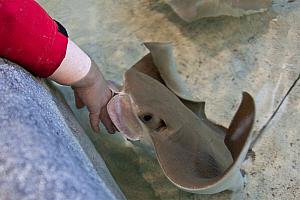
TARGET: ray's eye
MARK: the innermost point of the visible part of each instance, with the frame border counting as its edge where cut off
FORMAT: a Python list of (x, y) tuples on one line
[(146, 118), (153, 122)]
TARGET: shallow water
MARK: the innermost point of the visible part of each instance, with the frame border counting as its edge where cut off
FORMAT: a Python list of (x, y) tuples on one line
[(218, 58)]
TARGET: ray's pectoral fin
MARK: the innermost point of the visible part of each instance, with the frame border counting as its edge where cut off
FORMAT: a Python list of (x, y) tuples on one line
[(163, 59), (186, 159), (147, 67), (160, 65), (239, 130), (199, 159)]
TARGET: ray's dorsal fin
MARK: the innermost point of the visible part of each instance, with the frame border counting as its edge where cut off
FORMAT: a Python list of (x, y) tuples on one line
[(238, 141)]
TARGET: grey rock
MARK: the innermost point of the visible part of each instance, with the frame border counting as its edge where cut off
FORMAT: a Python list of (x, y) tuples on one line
[(40, 158)]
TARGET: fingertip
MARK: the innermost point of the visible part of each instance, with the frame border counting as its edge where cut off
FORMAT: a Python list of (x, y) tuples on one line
[(109, 126), (104, 117), (95, 129), (94, 121)]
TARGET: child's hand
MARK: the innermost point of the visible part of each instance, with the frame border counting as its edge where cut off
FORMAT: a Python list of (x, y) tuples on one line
[(92, 91)]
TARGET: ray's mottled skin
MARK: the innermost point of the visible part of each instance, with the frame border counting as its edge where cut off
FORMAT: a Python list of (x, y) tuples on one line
[(195, 154)]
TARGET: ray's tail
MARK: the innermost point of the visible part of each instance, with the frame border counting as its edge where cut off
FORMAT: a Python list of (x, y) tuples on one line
[(241, 125)]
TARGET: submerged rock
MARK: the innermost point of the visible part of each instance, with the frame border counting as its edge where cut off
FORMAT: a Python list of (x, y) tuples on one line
[(190, 10)]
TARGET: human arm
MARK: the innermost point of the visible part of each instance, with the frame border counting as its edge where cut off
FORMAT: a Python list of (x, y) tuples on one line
[(32, 39)]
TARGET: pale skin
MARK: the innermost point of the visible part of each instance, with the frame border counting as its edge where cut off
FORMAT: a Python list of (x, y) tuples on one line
[(90, 88), (93, 92)]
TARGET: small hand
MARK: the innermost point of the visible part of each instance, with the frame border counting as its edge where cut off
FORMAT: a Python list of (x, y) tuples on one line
[(93, 91)]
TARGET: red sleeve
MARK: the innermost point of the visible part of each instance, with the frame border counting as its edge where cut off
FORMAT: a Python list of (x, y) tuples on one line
[(30, 37)]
